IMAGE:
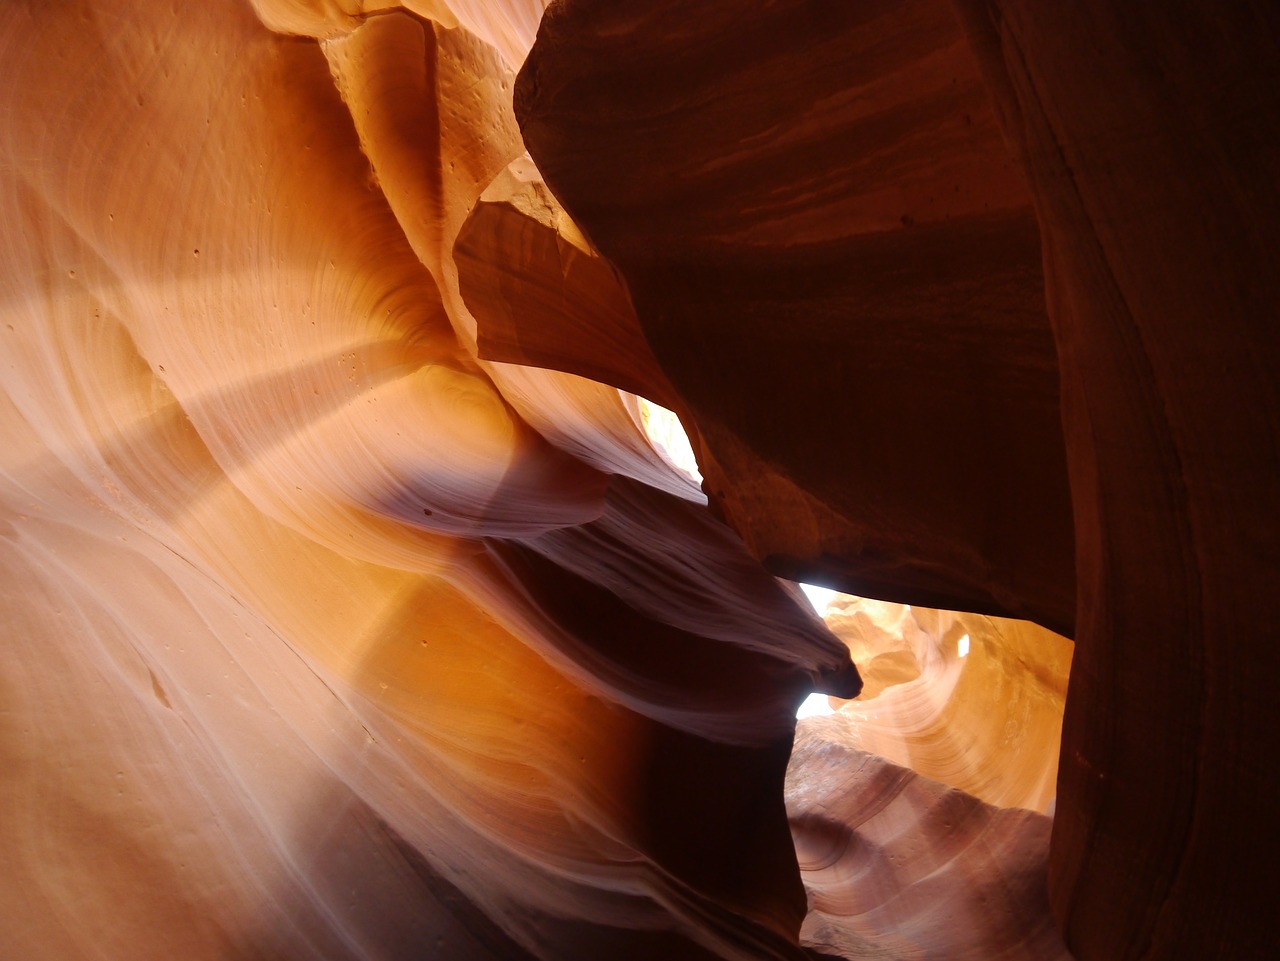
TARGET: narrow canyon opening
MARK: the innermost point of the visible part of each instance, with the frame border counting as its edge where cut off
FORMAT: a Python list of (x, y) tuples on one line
[(979, 734)]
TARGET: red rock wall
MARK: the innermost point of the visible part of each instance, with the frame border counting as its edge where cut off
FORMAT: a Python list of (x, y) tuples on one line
[(350, 614), (836, 263), (1150, 139), (899, 866)]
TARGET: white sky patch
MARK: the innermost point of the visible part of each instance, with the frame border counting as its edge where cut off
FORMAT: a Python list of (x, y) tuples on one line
[(814, 705), (666, 433), (962, 648), (819, 597)]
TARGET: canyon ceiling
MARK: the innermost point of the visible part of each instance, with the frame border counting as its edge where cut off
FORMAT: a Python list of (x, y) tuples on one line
[(349, 612)]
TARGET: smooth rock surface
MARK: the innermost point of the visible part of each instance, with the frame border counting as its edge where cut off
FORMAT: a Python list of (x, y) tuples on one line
[(350, 613), (1149, 135), (281, 678), (898, 866), (974, 702)]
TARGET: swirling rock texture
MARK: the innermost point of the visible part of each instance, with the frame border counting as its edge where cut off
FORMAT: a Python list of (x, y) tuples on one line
[(326, 638), (899, 866), (969, 700), (350, 614)]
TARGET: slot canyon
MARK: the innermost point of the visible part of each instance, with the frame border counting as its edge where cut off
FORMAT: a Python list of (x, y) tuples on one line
[(354, 610)]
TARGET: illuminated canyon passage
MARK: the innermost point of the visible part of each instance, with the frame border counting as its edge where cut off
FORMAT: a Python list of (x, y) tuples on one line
[(351, 612)]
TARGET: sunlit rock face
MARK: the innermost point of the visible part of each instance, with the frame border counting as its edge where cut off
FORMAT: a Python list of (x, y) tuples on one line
[(899, 866), (918, 809), (969, 700), (350, 613), (327, 637)]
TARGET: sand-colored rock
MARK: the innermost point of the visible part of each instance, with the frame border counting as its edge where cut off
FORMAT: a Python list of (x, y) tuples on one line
[(974, 702), (508, 27)]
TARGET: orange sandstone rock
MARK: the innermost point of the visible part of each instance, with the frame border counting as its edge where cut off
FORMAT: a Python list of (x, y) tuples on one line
[(972, 701), (269, 690)]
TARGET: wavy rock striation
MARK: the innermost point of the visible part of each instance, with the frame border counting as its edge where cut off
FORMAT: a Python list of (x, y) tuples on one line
[(974, 702), (1149, 137), (318, 646), (898, 866), (351, 614)]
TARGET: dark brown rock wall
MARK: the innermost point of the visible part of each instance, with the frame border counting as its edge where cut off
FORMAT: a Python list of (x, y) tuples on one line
[(824, 237), (1150, 137)]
